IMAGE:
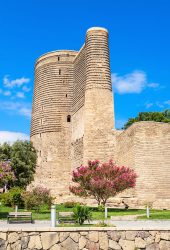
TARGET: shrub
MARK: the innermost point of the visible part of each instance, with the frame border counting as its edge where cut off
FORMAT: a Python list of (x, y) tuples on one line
[(7, 175), (82, 213), (12, 197), (70, 204), (101, 208), (37, 198)]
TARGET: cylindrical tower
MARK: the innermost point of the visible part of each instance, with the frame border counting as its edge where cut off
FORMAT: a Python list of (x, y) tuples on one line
[(99, 118), (51, 119)]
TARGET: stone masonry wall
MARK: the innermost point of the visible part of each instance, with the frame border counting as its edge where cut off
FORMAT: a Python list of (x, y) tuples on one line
[(83, 239), (145, 146), (78, 108)]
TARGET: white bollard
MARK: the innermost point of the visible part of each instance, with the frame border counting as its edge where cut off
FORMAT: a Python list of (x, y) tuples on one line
[(53, 216), (147, 212), (16, 208), (105, 212)]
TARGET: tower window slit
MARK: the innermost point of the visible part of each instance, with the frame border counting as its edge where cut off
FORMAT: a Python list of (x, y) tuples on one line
[(69, 118)]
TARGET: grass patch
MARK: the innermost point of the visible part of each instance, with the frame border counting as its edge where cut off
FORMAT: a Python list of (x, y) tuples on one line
[(156, 215), (44, 214)]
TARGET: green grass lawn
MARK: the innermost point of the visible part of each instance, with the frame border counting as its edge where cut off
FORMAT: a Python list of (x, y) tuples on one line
[(44, 214), (157, 215)]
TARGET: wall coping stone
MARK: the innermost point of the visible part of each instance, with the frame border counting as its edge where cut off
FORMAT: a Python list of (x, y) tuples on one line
[(76, 229)]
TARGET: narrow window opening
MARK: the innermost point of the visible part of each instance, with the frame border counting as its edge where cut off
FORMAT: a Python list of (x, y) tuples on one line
[(59, 71), (41, 122), (69, 118), (40, 135), (66, 95), (40, 152), (58, 58)]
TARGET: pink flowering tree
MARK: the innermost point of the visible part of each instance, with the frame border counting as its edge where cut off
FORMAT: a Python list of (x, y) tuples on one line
[(6, 174), (102, 181)]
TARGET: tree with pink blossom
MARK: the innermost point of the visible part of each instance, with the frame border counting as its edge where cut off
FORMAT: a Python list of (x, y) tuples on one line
[(102, 180), (6, 174)]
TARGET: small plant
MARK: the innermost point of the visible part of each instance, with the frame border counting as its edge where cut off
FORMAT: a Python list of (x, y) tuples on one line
[(82, 213), (69, 204), (12, 197), (101, 208), (102, 224), (37, 198)]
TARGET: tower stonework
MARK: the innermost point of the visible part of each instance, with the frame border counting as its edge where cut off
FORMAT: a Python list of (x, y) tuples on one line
[(73, 122), (99, 119), (50, 129)]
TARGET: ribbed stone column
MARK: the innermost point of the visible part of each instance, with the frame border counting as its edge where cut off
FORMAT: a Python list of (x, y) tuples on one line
[(99, 118), (97, 65)]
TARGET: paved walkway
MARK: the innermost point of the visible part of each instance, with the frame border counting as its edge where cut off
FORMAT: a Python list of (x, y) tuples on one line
[(117, 225)]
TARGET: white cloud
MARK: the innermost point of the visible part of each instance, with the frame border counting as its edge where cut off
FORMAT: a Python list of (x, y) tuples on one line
[(148, 105), (26, 89), (160, 105), (25, 111), (17, 107), (153, 85), (10, 137), (14, 83), (167, 102), (7, 93), (20, 95), (134, 82)]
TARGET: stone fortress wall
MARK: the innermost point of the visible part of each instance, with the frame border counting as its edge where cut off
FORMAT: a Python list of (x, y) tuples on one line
[(74, 238), (73, 121)]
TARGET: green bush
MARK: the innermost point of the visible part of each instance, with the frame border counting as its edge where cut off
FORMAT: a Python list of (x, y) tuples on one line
[(12, 197), (101, 208), (82, 213), (70, 204), (37, 198)]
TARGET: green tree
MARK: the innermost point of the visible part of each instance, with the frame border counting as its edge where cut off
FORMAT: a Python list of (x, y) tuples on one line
[(22, 157), (5, 152), (163, 116)]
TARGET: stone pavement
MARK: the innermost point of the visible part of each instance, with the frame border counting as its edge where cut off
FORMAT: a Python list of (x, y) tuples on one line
[(116, 225)]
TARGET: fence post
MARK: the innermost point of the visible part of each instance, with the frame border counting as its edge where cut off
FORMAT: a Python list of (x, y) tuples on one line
[(105, 213), (16, 208), (147, 212), (53, 216)]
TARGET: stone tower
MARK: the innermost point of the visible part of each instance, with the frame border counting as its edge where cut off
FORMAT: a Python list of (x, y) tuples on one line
[(50, 129), (98, 116), (73, 122), (72, 113)]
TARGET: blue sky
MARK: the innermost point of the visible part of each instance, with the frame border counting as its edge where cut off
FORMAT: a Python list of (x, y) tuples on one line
[(139, 52)]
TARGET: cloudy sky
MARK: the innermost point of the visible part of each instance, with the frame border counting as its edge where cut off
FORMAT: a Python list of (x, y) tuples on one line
[(139, 52)]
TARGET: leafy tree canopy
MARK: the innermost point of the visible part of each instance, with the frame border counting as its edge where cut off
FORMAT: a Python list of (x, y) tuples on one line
[(163, 116), (22, 157), (102, 181)]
